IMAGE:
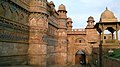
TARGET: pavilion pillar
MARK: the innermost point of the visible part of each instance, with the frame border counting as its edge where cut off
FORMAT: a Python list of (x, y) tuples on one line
[(112, 35), (117, 33), (103, 34), (103, 37), (100, 50), (116, 36)]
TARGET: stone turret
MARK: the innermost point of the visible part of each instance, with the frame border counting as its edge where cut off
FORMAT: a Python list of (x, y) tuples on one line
[(62, 16), (38, 22), (90, 22), (61, 48), (52, 4), (52, 9), (69, 24)]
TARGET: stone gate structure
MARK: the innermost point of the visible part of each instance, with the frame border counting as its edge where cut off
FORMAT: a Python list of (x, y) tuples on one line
[(33, 32)]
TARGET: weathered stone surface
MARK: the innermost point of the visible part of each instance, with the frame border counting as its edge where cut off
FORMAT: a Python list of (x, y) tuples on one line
[(37, 54), (43, 36), (61, 58), (37, 49), (14, 60), (51, 59), (8, 49), (13, 53), (37, 59)]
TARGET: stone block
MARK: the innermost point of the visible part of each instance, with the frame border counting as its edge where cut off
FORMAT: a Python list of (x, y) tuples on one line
[(8, 49), (61, 58), (13, 60), (37, 60), (13, 53), (51, 59), (37, 49)]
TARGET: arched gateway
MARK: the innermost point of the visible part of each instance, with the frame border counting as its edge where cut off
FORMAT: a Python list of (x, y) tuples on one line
[(80, 57)]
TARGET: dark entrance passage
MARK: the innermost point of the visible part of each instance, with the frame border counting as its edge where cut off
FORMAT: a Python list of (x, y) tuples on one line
[(80, 57)]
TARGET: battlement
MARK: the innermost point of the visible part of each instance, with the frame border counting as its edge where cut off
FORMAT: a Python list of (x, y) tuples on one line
[(77, 31)]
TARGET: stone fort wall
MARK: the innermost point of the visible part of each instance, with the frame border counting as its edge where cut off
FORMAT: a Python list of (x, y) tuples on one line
[(14, 34), (33, 32)]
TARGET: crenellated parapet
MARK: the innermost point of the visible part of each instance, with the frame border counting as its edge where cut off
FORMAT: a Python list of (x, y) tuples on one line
[(76, 31)]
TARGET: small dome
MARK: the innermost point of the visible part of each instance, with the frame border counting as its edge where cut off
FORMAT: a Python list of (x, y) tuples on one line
[(52, 3), (108, 16), (90, 18), (62, 7), (69, 19)]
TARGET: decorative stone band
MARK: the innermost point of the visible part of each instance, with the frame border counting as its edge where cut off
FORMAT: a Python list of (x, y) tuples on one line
[(13, 32), (34, 29)]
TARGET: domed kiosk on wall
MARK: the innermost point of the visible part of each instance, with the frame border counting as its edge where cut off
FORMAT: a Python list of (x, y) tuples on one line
[(109, 22)]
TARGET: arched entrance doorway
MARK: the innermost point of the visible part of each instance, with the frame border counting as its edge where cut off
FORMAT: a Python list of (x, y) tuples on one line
[(80, 57)]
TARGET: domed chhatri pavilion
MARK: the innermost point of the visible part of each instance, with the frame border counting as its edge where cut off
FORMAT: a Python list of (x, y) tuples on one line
[(33, 32), (108, 22), (108, 16)]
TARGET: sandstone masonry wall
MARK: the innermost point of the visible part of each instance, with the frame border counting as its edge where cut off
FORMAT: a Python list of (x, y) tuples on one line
[(13, 53), (14, 34)]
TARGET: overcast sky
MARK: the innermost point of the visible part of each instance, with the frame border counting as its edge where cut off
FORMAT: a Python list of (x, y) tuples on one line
[(80, 10)]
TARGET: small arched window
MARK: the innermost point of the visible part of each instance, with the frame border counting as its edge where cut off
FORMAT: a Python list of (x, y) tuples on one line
[(80, 40), (104, 37)]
